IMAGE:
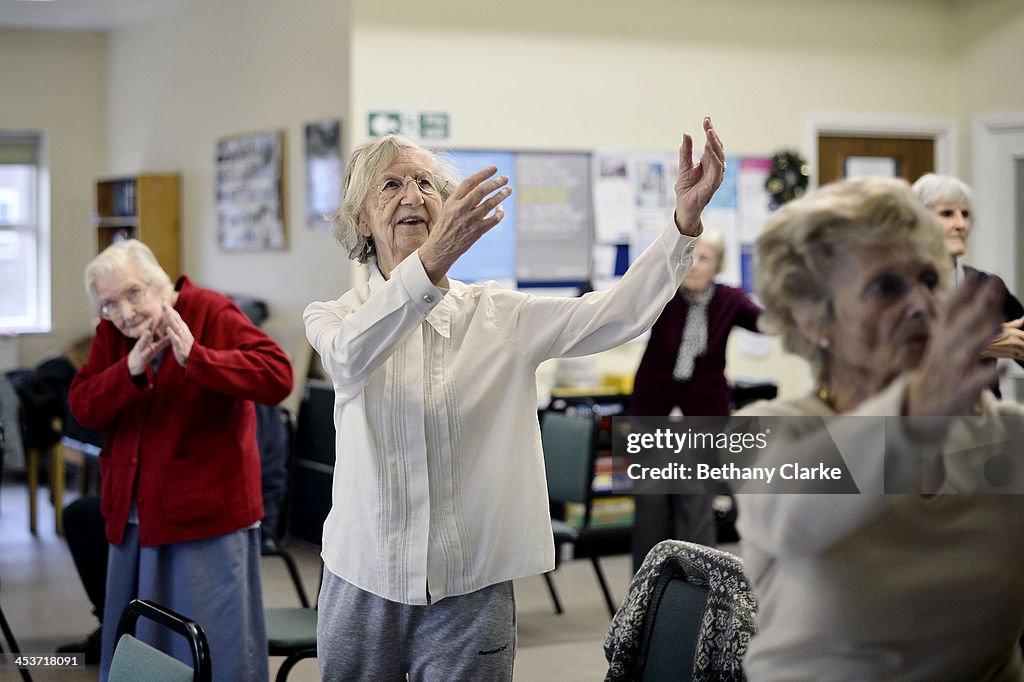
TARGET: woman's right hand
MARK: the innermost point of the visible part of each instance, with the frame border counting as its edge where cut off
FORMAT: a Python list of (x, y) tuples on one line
[(471, 210), (144, 350), (952, 375)]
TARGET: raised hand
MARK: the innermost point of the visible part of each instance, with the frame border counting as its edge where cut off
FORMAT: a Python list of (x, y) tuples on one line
[(178, 333), (698, 181), (1009, 343), (472, 209), (145, 349), (951, 376)]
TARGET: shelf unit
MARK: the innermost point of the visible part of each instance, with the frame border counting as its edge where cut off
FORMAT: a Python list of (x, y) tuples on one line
[(146, 207)]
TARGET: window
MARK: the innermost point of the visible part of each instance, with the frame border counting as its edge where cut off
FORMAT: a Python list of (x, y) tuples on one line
[(24, 235)]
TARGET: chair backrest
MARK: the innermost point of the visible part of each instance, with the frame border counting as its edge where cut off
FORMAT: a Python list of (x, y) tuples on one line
[(568, 443), (688, 608), (275, 436), (136, 660), (675, 615)]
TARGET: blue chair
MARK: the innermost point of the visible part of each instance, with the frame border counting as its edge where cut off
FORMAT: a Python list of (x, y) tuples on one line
[(135, 660)]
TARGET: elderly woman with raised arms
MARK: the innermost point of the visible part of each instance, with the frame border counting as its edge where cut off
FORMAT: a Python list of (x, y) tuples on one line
[(439, 490), (927, 583)]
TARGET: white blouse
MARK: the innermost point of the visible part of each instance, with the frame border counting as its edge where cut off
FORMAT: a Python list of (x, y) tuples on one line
[(439, 485)]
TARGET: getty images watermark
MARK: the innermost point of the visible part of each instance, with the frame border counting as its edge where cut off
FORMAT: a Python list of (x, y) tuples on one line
[(820, 455)]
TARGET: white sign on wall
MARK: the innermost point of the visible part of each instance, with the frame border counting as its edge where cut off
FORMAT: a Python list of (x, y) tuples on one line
[(419, 126)]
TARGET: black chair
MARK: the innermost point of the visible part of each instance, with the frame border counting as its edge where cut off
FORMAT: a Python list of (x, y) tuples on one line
[(291, 630), (12, 644), (688, 615), (275, 539), (135, 660), (568, 443)]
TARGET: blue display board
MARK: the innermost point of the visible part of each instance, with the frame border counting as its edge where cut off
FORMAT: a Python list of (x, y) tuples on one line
[(494, 255)]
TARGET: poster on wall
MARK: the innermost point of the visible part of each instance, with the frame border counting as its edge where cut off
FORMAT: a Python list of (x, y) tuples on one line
[(249, 177), (323, 172), (554, 221)]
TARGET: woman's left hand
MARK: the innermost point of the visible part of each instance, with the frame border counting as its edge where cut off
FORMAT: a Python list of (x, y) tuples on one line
[(698, 181), (179, 334)]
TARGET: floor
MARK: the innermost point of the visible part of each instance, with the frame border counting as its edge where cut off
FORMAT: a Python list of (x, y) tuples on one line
[(45, 604)]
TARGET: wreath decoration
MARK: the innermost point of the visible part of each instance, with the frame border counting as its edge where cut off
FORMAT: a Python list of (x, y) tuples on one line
[(788, 178)]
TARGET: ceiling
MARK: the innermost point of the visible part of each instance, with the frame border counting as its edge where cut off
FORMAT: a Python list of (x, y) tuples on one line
[(80, 15), (101, 15)]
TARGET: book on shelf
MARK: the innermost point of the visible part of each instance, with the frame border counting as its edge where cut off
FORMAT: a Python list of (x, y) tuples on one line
[(605, 512)]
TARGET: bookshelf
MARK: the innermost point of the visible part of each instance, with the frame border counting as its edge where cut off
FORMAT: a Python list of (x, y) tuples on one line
[(146, 207)]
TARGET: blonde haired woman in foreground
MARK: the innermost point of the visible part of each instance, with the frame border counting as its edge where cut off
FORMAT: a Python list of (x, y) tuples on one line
[(925, 584)]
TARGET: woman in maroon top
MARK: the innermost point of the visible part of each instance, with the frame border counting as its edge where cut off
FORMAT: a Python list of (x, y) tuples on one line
[(684, 367), (171, 379)]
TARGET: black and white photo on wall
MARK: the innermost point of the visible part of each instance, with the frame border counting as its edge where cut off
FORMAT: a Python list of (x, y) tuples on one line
[(323, 172), (249, 181)]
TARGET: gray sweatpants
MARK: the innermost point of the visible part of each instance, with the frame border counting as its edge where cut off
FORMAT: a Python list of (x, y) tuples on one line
[(361, 636)]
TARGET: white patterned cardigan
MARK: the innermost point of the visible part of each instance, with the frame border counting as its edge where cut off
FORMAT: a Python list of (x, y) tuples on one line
[(727, 623)]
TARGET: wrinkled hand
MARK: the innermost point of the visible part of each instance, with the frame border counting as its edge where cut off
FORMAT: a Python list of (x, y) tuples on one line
[(180, 335), (952, 376), (1009, 343), (144, 350), (471, 210), (697, 182)]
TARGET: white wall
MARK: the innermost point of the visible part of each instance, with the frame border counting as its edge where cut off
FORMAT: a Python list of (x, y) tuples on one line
[(571, 74), (990, 54), (55, 82), (988, 45), (582, 74), (591, 74), (214, 69)]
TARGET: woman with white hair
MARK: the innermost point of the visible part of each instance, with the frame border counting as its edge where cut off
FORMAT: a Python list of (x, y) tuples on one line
[(171, 379), (439, 489), (949, 199)]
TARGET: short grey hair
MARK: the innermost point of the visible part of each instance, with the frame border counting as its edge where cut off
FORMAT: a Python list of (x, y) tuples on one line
[(931, 189), (366, 163), (119, 256)]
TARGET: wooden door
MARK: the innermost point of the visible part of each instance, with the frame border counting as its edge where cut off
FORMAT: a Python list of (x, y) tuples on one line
[(913, 156)]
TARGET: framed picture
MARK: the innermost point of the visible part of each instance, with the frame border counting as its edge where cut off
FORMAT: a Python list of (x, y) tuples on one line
[(250, 210), (323, 172)]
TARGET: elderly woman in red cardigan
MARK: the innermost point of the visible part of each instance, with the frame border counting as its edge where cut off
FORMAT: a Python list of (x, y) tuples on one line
[(171, 378)]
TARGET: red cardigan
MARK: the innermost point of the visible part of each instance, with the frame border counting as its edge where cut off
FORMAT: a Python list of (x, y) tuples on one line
[(184, 440)]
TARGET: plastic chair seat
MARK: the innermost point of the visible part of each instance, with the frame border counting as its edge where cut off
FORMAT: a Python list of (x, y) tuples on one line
[(290, 628), (564, 532)]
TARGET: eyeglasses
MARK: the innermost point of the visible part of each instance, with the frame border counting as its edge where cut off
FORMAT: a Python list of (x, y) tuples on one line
[(111, 310), (427, 183)]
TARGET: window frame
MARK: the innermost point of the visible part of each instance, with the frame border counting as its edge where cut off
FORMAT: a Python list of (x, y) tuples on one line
[(39, 318)]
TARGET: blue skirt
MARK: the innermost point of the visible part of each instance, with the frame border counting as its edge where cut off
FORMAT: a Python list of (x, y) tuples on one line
[(213, 581)]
